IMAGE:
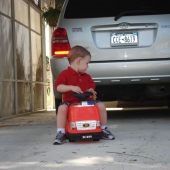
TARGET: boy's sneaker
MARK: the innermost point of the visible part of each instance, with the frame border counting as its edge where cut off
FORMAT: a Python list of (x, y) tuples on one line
[(106, 134), (60, 139)]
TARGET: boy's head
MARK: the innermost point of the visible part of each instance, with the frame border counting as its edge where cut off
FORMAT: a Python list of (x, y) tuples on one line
[(76, 52)]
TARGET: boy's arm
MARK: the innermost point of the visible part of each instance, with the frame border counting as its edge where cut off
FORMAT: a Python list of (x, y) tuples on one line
[(65, 88), (92, 86)]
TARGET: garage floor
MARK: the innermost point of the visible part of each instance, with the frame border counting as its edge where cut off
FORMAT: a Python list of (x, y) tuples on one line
[(142, 142)]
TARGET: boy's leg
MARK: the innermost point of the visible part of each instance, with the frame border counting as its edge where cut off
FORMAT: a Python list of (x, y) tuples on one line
[(103, 113), (106, 134), (60, 124), (61, 116)]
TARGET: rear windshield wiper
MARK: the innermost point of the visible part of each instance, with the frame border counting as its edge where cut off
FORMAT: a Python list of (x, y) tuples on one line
[(134, 12)]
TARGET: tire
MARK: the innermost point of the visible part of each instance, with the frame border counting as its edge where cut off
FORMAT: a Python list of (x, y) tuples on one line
[(96, 139), (57, 104)]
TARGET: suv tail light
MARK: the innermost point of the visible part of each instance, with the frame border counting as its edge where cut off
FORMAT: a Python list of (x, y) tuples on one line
[(60, 44)]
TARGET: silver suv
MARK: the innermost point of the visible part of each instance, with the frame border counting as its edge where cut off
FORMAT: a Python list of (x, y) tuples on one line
[(129, 42)]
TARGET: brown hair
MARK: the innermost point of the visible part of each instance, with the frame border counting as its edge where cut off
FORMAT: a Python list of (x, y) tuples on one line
[(77, 51)]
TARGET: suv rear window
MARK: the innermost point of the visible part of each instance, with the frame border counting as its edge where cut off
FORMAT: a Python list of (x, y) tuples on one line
[(112, 8)]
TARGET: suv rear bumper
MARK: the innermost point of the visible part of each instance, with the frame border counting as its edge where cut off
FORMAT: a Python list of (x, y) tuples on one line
[(120, 72)]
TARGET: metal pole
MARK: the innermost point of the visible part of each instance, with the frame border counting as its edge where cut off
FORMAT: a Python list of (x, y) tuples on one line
[(43, 47), (15, 58), (30, 49)]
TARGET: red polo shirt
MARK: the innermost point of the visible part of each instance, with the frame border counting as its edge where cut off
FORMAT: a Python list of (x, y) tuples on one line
[(72, 77)]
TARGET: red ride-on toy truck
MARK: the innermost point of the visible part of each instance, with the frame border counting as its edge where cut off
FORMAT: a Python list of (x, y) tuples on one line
[(83, 120)]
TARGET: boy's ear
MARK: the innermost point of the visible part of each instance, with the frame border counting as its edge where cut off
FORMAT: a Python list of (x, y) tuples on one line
[(78, 60)]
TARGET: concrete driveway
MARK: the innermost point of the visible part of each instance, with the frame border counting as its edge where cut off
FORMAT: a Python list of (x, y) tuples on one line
[(142, 142)]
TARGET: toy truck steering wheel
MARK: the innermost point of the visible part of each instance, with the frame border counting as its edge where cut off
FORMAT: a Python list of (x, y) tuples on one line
[(82, 96)]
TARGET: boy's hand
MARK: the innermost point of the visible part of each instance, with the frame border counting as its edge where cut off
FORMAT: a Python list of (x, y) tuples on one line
[(92, 91), (76, 89)]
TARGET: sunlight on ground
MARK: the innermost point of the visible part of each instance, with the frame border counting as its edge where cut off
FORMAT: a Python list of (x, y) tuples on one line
[(90, 160), (82, 162)]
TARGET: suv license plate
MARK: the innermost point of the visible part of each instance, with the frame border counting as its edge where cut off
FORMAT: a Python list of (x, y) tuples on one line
[(118, 39)]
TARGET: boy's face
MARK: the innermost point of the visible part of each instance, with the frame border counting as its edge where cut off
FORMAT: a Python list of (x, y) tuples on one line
[(83, 64)]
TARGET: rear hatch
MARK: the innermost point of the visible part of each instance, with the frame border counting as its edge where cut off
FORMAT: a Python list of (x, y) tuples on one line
[(119, 30)]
